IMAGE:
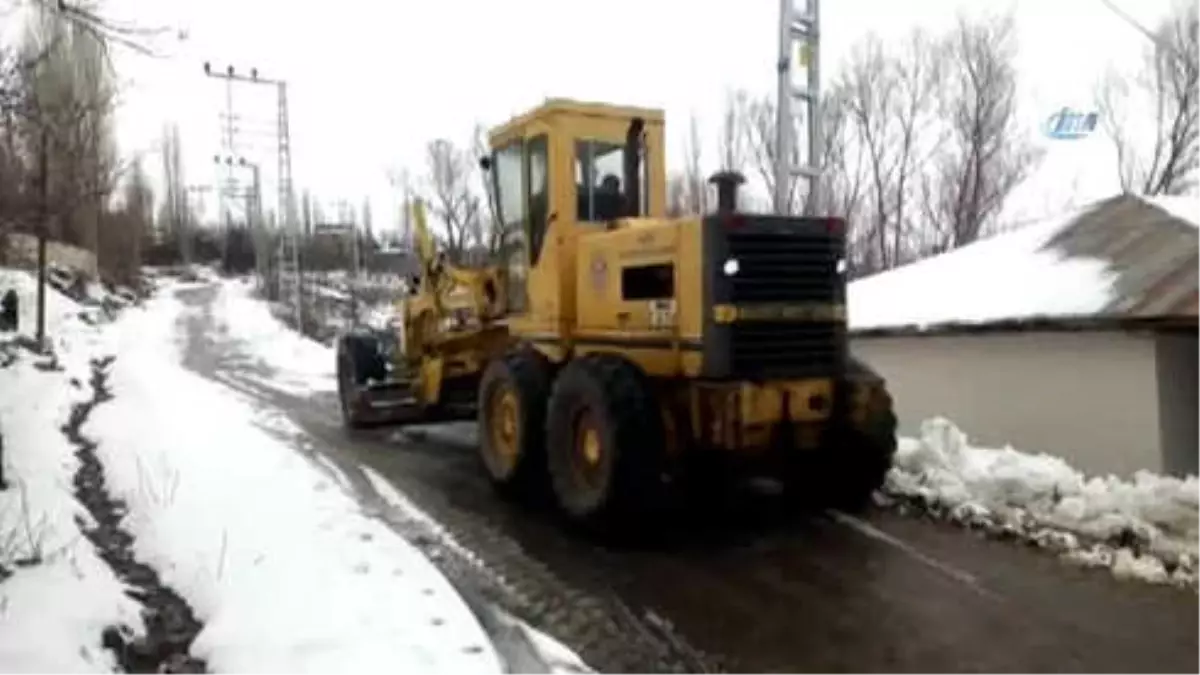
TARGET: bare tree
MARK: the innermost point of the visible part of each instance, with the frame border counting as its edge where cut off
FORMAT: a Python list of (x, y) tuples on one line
[(758, 131), (695, 186), (401, 182), (129, 226), (985, 153), (452, 200), (731, 141), (368, 231), (60, 80), (174, 217), (677, 195), (1168, 82), (890, 103), (843, 171)]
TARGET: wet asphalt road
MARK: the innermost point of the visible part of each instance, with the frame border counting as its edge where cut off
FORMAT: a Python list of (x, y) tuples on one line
[(741, 588)]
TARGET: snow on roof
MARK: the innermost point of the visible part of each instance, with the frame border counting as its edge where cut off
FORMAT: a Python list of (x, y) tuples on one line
[(1009, 276)]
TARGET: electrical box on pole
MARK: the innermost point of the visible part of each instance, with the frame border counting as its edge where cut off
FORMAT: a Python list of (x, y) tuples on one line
[(799, 47)]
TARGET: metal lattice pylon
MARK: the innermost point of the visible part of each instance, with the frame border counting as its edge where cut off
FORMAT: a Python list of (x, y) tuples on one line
[(289, 247), (799, 40)]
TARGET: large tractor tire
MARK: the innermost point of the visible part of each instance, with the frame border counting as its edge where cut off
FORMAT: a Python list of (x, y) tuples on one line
[(863, 456), (512, 420), (853, 464), (606, 443), (359, 359)]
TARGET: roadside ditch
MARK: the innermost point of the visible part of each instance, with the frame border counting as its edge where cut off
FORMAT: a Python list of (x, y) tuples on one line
[(170, 624)]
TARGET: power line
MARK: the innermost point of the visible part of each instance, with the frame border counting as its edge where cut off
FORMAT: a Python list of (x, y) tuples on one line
[(1130, 20), (1154, 37)]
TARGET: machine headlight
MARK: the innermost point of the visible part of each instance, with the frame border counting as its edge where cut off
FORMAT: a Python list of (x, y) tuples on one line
[(731, 267)]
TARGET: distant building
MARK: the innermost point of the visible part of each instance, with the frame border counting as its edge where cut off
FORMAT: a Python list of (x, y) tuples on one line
[(1076, 337), (400, 262)]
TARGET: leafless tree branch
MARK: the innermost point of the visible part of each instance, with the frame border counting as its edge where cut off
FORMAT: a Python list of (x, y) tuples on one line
[(1166, 162)]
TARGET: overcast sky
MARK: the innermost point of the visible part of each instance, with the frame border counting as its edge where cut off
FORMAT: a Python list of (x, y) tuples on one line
[(371, 81)]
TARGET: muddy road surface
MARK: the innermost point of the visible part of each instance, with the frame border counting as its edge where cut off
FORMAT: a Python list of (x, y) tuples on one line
[(740, 587)]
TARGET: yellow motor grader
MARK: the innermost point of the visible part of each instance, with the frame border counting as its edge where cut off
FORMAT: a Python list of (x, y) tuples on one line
[(611, 347)]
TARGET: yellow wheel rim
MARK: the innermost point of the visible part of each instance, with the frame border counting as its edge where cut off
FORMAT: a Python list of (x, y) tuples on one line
[(590, 441), (505, 425)]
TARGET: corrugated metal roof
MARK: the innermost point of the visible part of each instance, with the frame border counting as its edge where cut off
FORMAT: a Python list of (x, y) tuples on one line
[(1151, 251)]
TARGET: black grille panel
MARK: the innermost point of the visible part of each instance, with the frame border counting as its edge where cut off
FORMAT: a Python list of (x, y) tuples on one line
[(783, 348), (784, 267)]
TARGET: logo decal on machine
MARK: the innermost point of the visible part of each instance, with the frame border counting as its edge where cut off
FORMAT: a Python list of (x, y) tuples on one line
[(599, 273)]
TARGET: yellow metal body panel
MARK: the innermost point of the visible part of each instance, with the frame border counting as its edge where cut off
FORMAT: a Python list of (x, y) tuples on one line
[(552, 282), (661, 334)]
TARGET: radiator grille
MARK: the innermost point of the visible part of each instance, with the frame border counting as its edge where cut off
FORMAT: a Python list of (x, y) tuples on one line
[(784, 267), (789, 349)]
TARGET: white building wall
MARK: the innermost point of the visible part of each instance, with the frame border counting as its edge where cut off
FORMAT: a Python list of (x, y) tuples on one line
[(1088, 397)]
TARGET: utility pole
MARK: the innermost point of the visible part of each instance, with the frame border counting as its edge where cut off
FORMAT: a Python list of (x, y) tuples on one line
[(252, 204), (799, 39), (188, 225), (289, 249)]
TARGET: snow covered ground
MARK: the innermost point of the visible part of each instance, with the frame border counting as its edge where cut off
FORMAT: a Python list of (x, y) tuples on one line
[(56, 594), (279, 564), (1144, 528), (301, 364)]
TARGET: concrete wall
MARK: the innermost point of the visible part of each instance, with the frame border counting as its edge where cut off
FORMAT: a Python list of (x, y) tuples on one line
[(1179, 408), (1089, 397), (22, 250)]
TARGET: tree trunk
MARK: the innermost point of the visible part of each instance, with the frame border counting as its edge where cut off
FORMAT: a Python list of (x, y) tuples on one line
[(43, 233)]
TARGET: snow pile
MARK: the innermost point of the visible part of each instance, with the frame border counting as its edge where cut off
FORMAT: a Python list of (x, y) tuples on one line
[(301, 365), (56, 595), (1008, 276), (281, 566), (1145, 528), (64, 316)]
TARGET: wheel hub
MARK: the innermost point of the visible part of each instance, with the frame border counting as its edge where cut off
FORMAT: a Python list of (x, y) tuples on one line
[(505, 425), (589, 451), (591, 445)]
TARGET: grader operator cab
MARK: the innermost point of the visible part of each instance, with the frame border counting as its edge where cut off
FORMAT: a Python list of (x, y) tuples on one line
[(610, 348)]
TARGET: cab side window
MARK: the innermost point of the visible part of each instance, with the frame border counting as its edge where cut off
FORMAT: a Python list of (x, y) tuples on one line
[(599, 191), (537, 185), (508, 174)]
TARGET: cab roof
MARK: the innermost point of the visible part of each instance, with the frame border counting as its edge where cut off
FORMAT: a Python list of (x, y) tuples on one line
[(510, 129)]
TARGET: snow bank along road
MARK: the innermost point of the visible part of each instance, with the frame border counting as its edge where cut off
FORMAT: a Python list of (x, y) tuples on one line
[(740, 588), (136, 534)]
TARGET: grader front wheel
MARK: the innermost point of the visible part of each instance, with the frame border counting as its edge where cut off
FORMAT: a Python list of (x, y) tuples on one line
[(358, 360)]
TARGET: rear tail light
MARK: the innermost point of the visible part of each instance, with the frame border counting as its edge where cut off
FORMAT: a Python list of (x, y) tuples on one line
[(733, 221)]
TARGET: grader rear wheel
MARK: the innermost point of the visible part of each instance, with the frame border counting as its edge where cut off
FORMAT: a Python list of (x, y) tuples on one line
[(512, 417), (605, 442)]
